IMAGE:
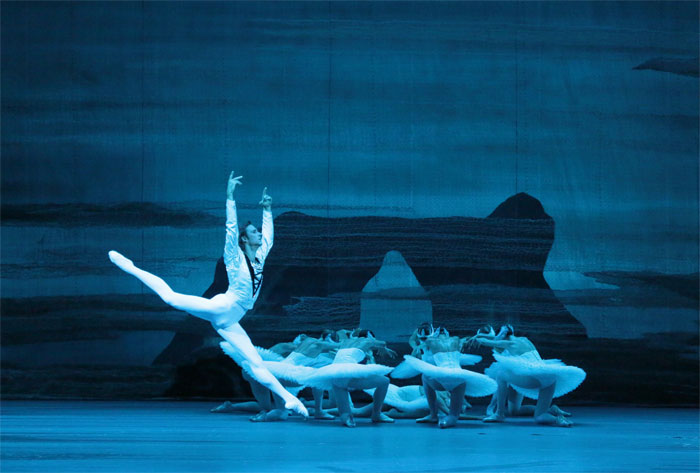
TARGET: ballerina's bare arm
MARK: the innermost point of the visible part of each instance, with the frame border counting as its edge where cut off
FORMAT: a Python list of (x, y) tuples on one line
[(502, 344)]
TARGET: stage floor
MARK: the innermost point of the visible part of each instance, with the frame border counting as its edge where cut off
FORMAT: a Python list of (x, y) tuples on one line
[(183, 436)]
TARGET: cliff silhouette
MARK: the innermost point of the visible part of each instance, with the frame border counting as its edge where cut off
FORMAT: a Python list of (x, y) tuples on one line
[(501, 257)]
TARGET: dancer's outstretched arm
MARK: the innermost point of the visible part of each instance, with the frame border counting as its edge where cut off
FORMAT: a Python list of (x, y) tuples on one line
[(503, 344), (268, 228), (231, 248)]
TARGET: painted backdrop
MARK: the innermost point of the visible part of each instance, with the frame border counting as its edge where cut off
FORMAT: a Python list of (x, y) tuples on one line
[(462, 162)]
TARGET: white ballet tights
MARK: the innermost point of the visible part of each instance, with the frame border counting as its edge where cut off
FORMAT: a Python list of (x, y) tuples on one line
[(221, 310)]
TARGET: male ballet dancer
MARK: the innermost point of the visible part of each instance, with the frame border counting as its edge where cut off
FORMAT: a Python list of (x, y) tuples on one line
[(244, 257)]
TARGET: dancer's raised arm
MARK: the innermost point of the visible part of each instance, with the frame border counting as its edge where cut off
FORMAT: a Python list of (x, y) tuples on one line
[(231, 250), (268, 229)]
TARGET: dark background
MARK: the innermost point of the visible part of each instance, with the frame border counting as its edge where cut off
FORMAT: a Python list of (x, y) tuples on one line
[(375, 127)]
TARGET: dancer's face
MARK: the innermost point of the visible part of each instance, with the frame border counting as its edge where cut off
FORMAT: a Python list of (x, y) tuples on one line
[(253, 236)]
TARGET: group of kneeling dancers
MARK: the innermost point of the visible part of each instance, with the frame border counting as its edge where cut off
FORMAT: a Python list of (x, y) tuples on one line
[(342, 361), (333, 362)]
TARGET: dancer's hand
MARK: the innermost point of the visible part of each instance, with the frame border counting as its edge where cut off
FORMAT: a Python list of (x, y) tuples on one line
[(392, 354), (266, 200), (232, 183)]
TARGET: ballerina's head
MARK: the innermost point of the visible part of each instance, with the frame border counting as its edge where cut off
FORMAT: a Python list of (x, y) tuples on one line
[(329, 335), (343, 334), (362, 333), (505, 332)]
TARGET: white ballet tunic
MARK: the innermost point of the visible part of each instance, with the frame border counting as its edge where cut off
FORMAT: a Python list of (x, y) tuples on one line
[(447, 371), (530, 365)]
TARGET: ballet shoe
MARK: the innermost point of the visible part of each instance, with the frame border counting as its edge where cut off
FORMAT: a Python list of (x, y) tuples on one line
[(226, 407), (493, 418), (429, 419), (549, 419), (120, 260), (297, 406), (556, 411), (347, 420), (447, 422), (322, 415), (276, 415), (383, 418), (259, 417), (563, 422)]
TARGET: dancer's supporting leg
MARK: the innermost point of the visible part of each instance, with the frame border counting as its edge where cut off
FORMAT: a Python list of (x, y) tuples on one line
[(501, 397), (342, 399), (456, 402), (381, 384), (516, 407), (542, 415), (430, 394), (319, 413)]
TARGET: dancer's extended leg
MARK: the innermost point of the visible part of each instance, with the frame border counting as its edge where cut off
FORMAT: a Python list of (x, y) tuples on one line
[(430, 394), (201, 307), (248, 357)]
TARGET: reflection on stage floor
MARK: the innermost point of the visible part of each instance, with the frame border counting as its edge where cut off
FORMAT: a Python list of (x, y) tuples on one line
[(62, 436)]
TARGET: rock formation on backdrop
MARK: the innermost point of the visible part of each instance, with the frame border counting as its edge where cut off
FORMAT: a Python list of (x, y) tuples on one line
[(393, 303), (474, 270)]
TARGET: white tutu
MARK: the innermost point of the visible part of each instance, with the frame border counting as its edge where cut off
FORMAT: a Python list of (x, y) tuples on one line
[(544, 372), (289, 372), (448, 373), (466, 359), (236, 355), (297, 367), (344, 369), (265, 354), (280, 369), (299, 359)]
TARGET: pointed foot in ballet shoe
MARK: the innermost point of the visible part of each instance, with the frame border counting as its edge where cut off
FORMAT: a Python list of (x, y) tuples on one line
[(556, 411), (563, 422), (447, 422), (493, 418), (557, 421), (429, 419), (276, 415), (347, 421), (322, 415), (382, 419), (120, 260), (259, 417), (296, 405), (227, 406)]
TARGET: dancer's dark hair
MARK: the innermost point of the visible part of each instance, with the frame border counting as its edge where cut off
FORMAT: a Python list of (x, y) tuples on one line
[(243, 232)]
